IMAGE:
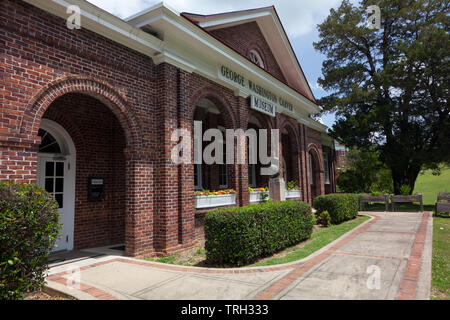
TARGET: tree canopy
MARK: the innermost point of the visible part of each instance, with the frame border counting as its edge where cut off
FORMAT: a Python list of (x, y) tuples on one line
[(390, 86)]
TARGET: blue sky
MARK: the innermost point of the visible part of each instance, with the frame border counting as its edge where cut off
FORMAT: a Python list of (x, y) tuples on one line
[(299, 17)]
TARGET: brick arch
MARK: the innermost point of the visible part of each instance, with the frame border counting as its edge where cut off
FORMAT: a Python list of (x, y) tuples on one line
[(265, 121), (290, 148), (218, 99), (318, 172), (314, 149), (101, 91), (291, 129)]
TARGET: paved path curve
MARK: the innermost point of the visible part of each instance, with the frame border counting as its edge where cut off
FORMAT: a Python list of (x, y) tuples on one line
[(387, 257)]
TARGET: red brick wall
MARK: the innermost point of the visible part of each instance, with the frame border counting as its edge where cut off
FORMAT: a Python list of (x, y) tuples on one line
[(246, 37)]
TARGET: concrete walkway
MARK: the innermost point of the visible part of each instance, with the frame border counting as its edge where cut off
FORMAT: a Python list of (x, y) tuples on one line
[(388, 257)]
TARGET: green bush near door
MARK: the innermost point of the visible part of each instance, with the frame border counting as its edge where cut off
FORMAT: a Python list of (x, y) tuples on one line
[(241, 235), (340, 206), (29, 226)]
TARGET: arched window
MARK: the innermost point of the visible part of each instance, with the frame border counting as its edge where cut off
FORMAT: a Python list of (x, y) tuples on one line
[(256, 58), (49, 144)]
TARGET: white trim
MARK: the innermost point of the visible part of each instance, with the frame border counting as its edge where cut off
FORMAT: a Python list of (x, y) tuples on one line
[(61, 135), (232, 21), (104, 23)]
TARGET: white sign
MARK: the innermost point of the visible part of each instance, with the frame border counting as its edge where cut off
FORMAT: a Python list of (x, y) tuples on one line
[(262, 105), (97, 182)]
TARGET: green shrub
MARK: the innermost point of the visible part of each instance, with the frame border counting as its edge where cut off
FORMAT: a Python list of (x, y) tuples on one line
[(314, 219), (241, 235), (324, 219), (341, 207), (28, 229), (292, 185), (405, 190)]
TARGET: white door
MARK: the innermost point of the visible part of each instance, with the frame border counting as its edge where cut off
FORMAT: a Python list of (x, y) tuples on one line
[(56, 174)]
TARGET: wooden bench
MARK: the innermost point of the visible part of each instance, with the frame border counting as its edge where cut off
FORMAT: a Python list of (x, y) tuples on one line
[(443, 203), (406, 199), (367, 198)]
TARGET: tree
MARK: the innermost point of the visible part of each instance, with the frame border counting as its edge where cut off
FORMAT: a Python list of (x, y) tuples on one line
[(364, 173), (390, 86)]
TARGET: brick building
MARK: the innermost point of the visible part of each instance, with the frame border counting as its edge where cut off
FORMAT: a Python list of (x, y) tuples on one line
[(89, 114)]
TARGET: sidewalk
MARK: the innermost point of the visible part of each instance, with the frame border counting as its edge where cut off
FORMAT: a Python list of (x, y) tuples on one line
[(394, 246)]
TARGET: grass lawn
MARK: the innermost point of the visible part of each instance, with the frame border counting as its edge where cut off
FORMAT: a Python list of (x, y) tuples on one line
[(320, 238), (440, 283), (430, 186)]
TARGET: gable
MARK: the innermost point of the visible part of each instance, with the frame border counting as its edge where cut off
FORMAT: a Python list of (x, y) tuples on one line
[(285, 66), (246, 37)]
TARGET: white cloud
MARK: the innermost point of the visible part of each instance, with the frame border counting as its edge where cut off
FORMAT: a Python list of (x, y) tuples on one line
[(299, 17), (316, 87)]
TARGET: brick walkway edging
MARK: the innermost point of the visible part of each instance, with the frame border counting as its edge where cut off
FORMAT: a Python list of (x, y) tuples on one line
[(408, 286)]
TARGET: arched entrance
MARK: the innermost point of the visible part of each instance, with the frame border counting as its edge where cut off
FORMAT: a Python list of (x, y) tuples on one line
[(108, 141), (290, 164), (56, 173), (314, 174), (93, 208), (257, 123)]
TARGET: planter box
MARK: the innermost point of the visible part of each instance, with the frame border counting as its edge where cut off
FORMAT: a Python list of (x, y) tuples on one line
[(202, 202), (256, 196), (291, 194)]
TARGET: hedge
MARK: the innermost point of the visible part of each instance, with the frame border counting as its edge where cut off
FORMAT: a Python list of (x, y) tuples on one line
[(29, 225), (241, 235), (340, 206)]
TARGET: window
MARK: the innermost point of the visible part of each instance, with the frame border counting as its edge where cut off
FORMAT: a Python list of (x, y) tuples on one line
[(198, 185), (223, 170), (252, 175), (326, 169), (54, 180), (256, 58), (48, 143), (223, 179), (311, 171)]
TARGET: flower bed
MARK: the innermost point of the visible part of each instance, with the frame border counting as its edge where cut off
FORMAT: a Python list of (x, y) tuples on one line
[(211, 199)]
